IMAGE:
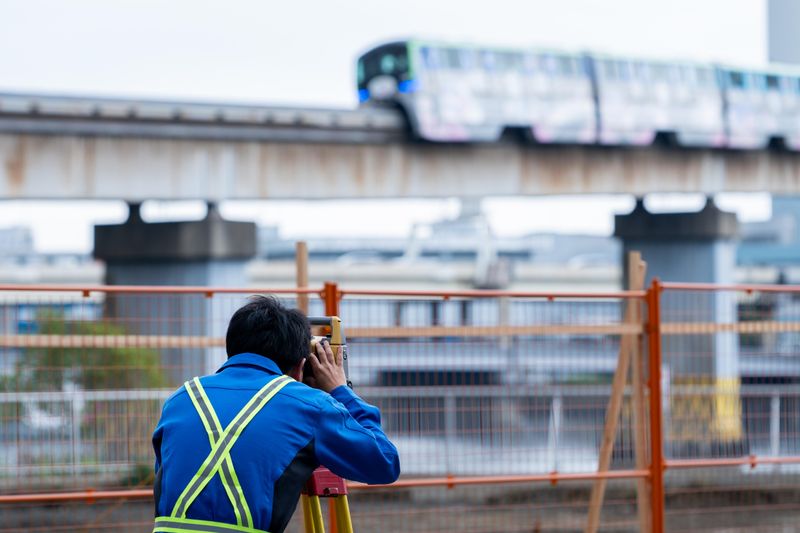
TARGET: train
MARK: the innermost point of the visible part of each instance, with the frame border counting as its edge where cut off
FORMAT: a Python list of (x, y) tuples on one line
[(471, 94)]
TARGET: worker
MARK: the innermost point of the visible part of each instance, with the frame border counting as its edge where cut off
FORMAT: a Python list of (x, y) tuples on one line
[(234, 449)]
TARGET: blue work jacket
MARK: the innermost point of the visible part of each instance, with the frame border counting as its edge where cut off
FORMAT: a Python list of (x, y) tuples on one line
[(299, 429)]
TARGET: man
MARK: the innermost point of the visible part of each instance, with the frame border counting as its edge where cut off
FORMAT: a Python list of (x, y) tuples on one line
[(233, 450)]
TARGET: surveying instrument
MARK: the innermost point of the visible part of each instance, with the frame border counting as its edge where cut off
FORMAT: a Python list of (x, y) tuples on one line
[(323, 482)]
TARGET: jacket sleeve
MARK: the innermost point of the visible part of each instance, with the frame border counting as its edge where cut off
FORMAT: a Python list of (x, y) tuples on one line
[(350, 441)]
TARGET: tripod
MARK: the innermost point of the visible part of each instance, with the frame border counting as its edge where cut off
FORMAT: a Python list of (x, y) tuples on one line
[(326, 484), (323, 482)]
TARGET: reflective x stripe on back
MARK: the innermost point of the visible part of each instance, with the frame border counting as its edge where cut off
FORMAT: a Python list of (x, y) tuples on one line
[(165, 524), (221, 444), (229, 479)]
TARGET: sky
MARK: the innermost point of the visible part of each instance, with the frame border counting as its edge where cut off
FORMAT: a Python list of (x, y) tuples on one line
[(303, 53)]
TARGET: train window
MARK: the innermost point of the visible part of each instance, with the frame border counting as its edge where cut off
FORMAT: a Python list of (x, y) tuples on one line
[(393, 64), (429, 58), (736, 80), (640, 71), (548, 64), (624, 70), (506, 61), (659, 72), (610, 69), (773, 82), (360, 74), (489, 60), (453, 59), (388, 64), (467, 59), (529, 63), (687, 75), (704, 76), (565, 66), (369, 67)]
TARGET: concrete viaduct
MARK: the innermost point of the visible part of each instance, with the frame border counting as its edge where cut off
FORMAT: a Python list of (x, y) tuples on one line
[(89, 148)]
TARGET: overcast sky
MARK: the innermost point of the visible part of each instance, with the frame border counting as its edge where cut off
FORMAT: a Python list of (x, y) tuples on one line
[(303, 52)]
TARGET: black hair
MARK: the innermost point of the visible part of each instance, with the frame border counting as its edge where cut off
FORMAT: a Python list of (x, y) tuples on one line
[(265, 327)]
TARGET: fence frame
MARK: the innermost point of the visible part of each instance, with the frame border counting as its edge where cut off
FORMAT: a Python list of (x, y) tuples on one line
[(332, 295)]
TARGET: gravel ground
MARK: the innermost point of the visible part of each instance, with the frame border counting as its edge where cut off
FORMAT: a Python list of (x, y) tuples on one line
[(488, 509)]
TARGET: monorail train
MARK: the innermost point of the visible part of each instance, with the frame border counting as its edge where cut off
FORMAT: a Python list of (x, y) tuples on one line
[(471, 94)]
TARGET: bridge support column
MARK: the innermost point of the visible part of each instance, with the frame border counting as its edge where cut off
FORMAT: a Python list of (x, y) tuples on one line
[(704, 411), (210, 252)]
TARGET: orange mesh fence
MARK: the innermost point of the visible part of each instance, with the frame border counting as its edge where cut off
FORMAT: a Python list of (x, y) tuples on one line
[(496, 401), (493, 398), (731, 400)]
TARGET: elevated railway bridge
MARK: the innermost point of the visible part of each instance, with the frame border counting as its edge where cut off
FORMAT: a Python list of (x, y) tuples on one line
[(55, 147)]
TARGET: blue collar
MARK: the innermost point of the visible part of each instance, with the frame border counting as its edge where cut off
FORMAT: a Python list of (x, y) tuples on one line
[(254, 360)]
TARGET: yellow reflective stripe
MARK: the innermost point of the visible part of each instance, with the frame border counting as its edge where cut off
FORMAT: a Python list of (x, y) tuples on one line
[(235, 492), (205, 410), (223, 446), (248, 518), (189, 525)]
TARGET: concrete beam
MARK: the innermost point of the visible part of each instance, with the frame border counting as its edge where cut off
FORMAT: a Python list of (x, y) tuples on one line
[(209, 239), (138, 169)]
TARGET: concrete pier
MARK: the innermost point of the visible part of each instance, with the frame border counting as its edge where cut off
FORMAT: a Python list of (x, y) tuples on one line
[(211, 252), (702, 370)]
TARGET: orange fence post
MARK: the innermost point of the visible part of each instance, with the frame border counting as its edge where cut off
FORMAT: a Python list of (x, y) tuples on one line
[(656, 437), (330, 293)]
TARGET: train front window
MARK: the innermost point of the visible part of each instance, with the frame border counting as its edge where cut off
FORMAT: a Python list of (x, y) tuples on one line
[(390, 60)]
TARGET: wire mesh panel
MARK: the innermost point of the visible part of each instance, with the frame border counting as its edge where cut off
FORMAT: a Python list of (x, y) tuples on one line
[(83, 376), (497, 403), (731, 384), (508, 388)]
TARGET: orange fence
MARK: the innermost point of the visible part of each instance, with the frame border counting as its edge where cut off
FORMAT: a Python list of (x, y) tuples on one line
[(674, 408)]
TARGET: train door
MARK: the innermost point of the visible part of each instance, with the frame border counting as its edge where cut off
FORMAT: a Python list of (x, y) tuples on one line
[(700, 113), (492, 103), (625, 110), (771, 103), (743, 110), (454, 98), (473, 86), (570, 111), (530, 80)]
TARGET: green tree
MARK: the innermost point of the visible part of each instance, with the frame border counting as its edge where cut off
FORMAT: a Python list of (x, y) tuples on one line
[(50, 368)]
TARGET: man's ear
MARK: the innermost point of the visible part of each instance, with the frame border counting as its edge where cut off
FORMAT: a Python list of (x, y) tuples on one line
[(296, 372)]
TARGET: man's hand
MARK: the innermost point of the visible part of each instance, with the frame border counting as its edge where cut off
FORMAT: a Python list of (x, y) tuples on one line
[(328, 368)]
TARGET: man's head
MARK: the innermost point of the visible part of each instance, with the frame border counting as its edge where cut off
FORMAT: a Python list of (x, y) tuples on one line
[(265, 327)]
